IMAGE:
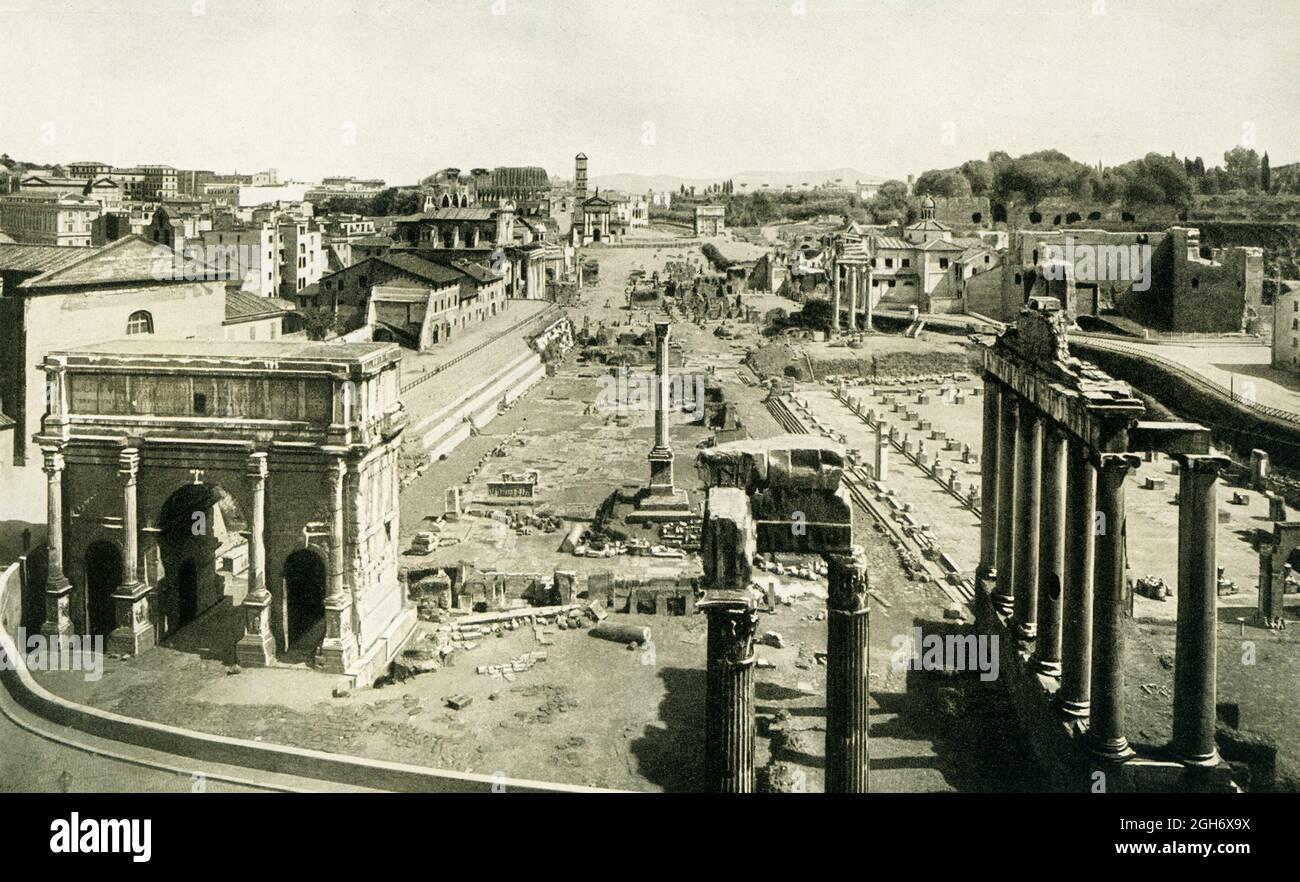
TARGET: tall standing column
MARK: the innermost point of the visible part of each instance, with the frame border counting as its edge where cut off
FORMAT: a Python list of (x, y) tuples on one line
[(1004, 595), (729, 696), (853, 298), (1196, 634), (1106, 730), (338, 650), (1051, 553), (661, 455), (835, 300), (870, 287), (1076, 624), (988, 569), (58, 590), (1029, 465), (134, 629), (847, 670), (257, 646)]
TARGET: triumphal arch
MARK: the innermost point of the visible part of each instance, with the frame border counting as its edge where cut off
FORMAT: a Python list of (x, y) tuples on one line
[(187, 476)]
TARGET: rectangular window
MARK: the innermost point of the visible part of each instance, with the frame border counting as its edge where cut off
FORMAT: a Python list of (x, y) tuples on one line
[(943, 263)]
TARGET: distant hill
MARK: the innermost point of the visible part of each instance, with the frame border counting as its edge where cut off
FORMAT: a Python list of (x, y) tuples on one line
[(746, 181)]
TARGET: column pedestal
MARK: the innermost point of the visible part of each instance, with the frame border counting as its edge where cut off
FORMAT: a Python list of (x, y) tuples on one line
[(132, 609), (256, 649), (338, 651), (847, 670)]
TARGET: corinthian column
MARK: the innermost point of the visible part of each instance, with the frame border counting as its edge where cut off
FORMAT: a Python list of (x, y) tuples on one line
[(257, 646), (338, 650), (134, 631), (58, 590), (1051, 554), (729, 692), (847, 697)]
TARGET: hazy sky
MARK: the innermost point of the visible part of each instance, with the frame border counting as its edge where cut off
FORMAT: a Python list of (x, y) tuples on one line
[(400, 88)]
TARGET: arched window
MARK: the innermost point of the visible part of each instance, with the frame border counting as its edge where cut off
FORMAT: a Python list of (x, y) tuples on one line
[(139, 323)]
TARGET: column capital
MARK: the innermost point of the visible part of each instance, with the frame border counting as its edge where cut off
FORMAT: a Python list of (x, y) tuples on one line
[(1204, 463), (848, 584), (257, 468), (1115, 462), (54, 461), (128, 463)]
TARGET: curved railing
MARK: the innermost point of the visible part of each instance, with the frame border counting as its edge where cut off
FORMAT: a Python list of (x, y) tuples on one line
[(1206, 385)]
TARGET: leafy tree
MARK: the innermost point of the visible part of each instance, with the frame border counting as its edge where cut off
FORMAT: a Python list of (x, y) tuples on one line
[(979, 174), (1242, 166), (942, 182)]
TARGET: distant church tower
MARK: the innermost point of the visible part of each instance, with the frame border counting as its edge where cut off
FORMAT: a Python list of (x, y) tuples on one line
[(580, 176), (927, 208)]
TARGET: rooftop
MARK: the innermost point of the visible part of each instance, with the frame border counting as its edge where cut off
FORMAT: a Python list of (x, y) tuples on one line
[(262, 352), (242, 306)]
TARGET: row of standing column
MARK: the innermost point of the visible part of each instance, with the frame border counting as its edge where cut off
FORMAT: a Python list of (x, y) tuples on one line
[(856, 279), (1052, 547)]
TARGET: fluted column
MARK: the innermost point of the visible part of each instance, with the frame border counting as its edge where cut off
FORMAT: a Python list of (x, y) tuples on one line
[(1051, 553), (58, 590), (1029, 464), (882, 451), (1076, 624), (729, 692), (1196, 634), (989, 482), (257, 646), (1009, 408), (847, 669), (1106, 730), (338, 650)]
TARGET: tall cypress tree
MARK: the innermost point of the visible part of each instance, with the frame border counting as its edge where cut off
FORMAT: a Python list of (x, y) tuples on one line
[(1265, 174)]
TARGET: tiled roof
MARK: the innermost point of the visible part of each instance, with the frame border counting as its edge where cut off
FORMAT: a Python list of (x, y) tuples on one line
[(39, 258), (244, 307), (434, 273)]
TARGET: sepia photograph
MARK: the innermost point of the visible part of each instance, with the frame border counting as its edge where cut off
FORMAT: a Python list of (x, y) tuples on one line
[(584, 399)]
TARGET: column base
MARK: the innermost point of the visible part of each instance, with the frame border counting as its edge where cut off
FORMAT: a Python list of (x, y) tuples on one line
[(256, 649), (986, 574), (1003, 603), (58, 605), (1113, 750), (1073, 710), (1047, 668), (1202, 761), (1026, 631)]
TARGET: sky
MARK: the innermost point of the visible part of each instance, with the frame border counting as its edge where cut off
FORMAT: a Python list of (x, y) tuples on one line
[(699, 88)]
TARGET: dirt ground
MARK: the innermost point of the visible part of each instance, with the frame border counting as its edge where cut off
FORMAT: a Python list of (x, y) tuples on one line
[(594, 712)]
